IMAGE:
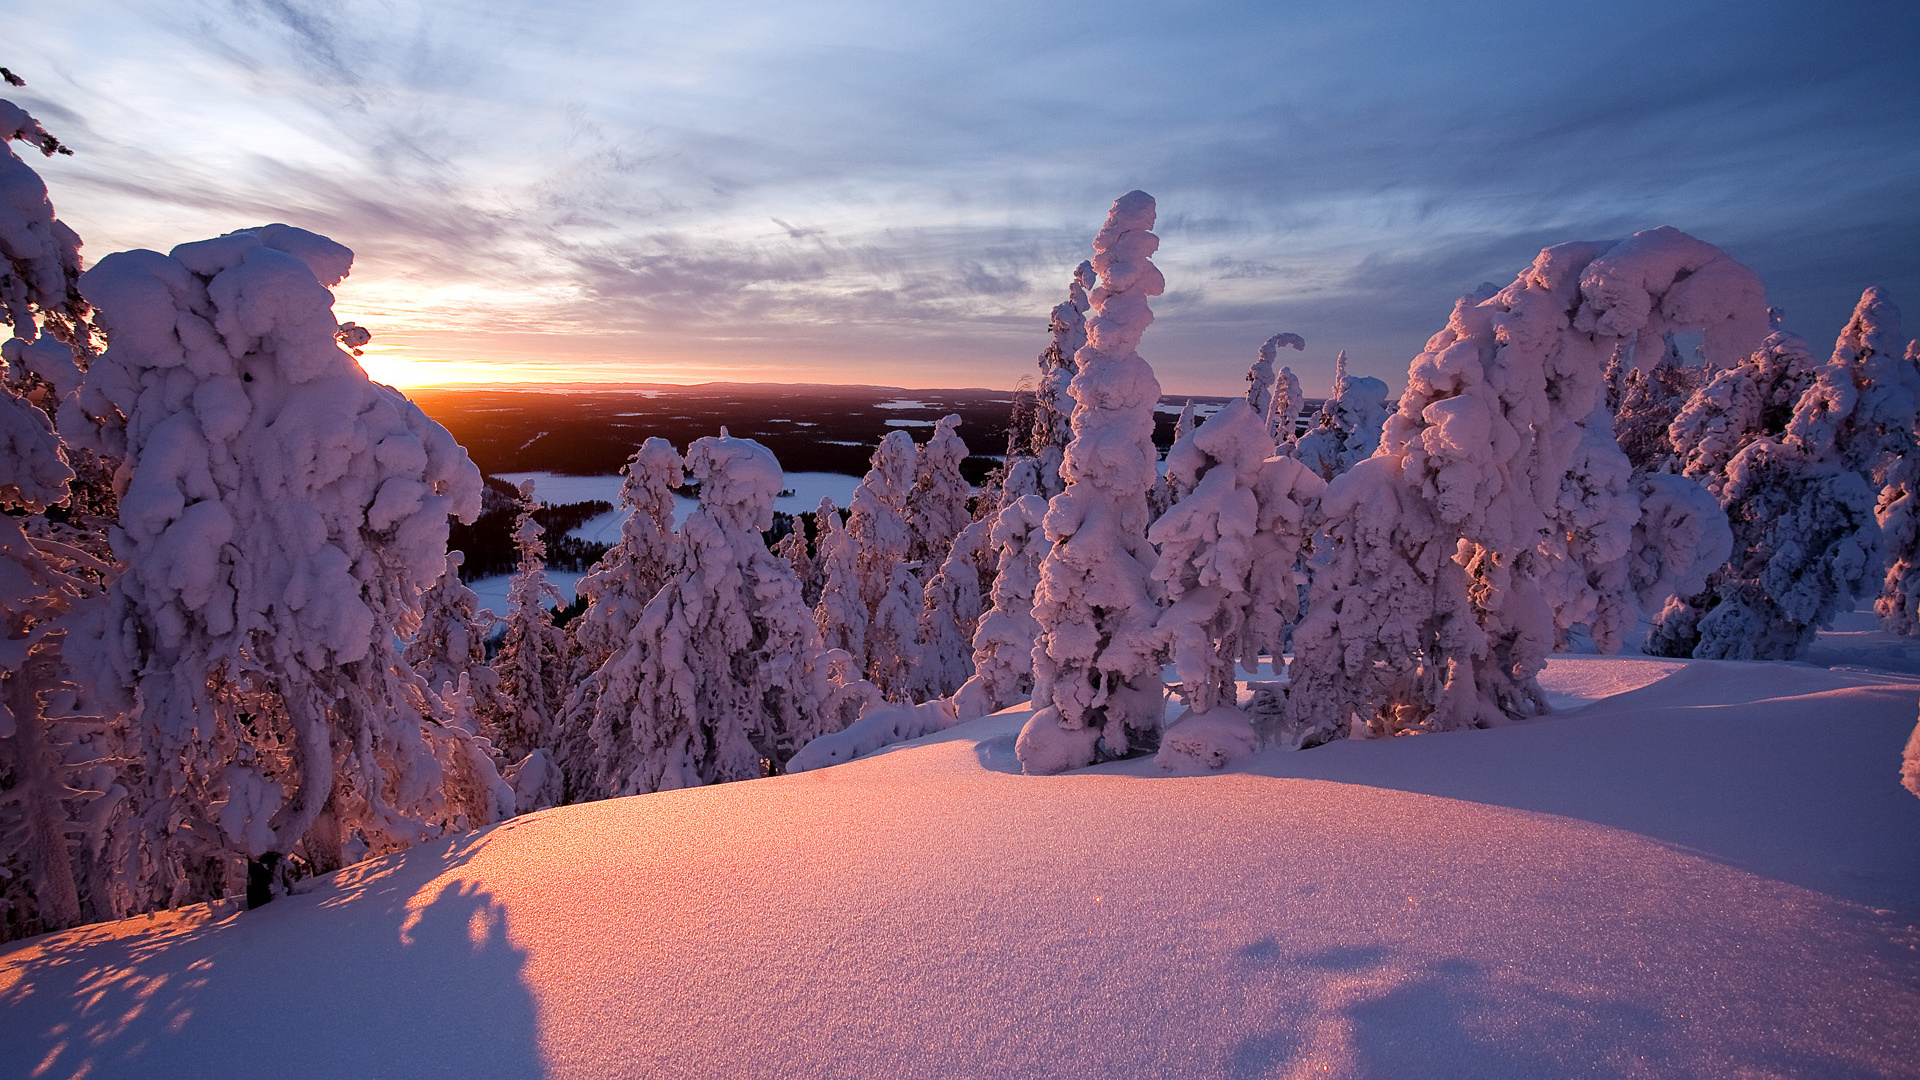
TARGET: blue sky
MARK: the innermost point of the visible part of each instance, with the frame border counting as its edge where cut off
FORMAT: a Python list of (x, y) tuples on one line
[(897, 192)]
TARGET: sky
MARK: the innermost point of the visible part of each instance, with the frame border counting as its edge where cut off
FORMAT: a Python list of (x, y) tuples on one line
[(897, 193)]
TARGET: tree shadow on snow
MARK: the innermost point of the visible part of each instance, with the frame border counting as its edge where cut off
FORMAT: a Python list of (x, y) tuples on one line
[(1364, 1012), (367, 976)]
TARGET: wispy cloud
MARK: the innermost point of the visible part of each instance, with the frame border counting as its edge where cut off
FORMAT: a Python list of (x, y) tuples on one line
[(850, 180)]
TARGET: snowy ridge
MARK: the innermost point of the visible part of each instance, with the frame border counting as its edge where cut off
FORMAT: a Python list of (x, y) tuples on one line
[(1480, 904)]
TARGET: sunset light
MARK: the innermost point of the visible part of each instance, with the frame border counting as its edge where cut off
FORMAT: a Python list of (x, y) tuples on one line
[(846, 540)]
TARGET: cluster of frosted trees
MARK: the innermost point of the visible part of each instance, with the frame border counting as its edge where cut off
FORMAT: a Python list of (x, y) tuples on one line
[(236, 650)]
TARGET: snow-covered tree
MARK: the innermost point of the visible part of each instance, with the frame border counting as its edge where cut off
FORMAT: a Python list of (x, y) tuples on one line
[(1651, 397), (1898, 513), (281, 514), (1261, 376), (1751, 400), (1910, 763), (626, 578), (449, 650), (870, 603), (58, 801), (532, 664), (1284, 418), (1228, 552), (1097, 689), (1434, 606), (1806, 541), (950, 616), (1801, 506), (1004, 639), (1052, 430), (1348, 427), (66, 855), (725, 669), (937, 505)]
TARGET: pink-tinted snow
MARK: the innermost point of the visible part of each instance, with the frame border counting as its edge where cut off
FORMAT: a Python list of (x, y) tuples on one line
[(1712, 873)]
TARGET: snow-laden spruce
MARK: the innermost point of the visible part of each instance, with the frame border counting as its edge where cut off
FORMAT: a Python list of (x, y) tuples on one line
[(617, 591), (1649, 399), (937, 504), (1003, 641), (1347, 430), (1228, 552), (60, 800), (1097, 690), (1435, 565), (724, 670), (449, 650), (281, 514), (1802, 505), (870, 603), (1052, 409), (950, 615), (1263, 383), (523, 718), (1751, 400), (1898, 513)]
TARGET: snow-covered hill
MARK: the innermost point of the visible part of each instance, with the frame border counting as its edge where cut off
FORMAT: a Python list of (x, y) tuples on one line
[(1710, 871)]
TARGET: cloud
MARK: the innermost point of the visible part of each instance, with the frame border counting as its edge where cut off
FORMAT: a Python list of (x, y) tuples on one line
[(836, 176)]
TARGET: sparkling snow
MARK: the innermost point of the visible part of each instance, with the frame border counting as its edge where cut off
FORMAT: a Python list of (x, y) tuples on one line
[(1712, 872)]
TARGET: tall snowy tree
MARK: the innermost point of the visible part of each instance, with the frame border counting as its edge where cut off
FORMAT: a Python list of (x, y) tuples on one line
[(1097, 689), (725, 669), (624, 581), (1052, 428), (1348, 427), (1435, 605), (282, 513)]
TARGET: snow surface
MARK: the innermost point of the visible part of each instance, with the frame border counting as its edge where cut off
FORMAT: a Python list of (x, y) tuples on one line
[(1713, 872)]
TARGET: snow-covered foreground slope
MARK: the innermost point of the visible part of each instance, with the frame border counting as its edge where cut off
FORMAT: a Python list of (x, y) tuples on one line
[(1714, 874)]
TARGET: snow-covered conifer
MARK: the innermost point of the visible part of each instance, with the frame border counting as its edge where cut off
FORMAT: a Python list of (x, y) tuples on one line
[(1284, 418), (626, 578), (1750, 400), (1097, 688), (1802, 506), (1435, 566), (282, 513), (950, 616), (1910, 763), (58, 802), (1004, 639), (1067, 325), (1261, 375), (866, 608), (937, 505), (1222, 555), (1348, 427), (532, 661), (1650, 399), (1898, 513), (449, 650), (725, 668)]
